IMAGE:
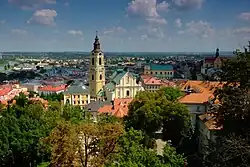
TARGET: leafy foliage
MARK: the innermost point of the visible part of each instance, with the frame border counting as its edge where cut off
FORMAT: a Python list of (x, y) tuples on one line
[(233, 114), (83, 144), (150, 112), (53, 97), (132, 153)]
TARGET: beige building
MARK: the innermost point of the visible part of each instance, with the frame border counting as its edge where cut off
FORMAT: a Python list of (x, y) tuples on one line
[(159, 70), (96, 70), (123, 84), (77, 95)]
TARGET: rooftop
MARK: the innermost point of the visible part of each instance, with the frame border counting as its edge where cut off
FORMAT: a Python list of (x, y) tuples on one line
[(52, 88), (120, 108), (77, 89), (161, 67)]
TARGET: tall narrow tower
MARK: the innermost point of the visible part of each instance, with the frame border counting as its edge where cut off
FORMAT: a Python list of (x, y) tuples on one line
[(96, 69)]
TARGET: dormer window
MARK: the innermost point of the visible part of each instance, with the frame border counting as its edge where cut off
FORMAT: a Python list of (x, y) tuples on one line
[(100, 54)]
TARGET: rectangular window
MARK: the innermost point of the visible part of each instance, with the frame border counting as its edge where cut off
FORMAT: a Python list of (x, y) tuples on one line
[(78, 101), (83, 102), (78, 96)]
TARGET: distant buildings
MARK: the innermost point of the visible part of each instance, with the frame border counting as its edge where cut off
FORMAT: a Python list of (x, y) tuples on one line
[(214, 63), (159, 70), (77, 94), (9, 91)]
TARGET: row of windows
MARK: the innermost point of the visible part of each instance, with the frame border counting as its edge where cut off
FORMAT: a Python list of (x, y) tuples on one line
[(77, 102), (78, 96), (93, 61), (93, 77), (166, 73), (152, 87)]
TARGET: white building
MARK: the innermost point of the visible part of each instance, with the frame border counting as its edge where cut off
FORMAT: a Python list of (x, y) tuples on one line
[(123, 84)]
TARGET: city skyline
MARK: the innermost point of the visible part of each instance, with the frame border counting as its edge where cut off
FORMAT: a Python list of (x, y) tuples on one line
[(124, 26)]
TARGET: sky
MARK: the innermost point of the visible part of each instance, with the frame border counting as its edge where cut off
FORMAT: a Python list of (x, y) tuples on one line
[(124, 25)]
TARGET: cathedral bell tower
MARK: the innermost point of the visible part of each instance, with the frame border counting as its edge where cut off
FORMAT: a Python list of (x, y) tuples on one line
[(96, 69)]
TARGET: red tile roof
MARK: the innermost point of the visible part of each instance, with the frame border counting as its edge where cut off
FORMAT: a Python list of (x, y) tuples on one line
[(210, 59), (5, 90), (151, 80), (120, 107), (51, 88)]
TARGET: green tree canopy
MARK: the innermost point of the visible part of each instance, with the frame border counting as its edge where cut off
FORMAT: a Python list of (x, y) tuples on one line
[(233, 114), (132, 153), (151, 112)]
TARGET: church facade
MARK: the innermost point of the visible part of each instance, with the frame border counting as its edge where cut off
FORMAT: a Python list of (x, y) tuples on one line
[(123, 84)]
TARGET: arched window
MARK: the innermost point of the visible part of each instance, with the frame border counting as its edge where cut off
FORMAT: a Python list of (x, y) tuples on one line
[(93, 77), (93, 61), (101, 77), (127, 93), (100, 61)]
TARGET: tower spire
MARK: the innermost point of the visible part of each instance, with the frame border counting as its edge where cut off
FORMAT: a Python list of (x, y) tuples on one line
[(97, 46), (217, 54)]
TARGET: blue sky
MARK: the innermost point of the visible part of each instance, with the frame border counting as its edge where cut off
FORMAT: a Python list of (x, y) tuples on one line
[(124, 25)]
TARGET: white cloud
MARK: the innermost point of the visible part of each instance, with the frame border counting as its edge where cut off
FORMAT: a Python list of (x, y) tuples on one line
[(43, 17), (75, 32), (245, 16), (31, 4), (148, 9), (178, 23), (188, 4), (200, 28), (19, 31), (163, 6), (151, 32), (242, 30), (114, 30), (157, 20)]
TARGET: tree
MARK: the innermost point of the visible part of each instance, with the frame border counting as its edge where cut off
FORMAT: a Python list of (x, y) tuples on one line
[(171, 93), (20, 136), (132, 153), (151, 112), (21, 100), (84, 144), (232, 114)]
